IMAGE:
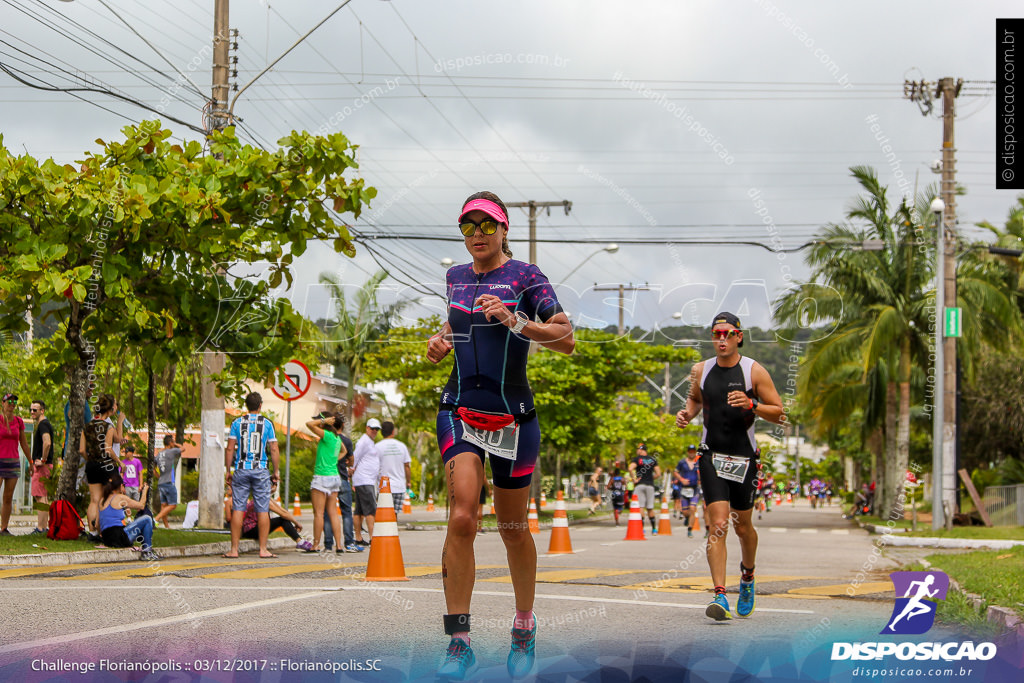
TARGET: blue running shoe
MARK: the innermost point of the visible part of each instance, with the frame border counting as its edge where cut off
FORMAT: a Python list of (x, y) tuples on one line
[(459, 661), (745, 603), (718, 609), (522, 655)]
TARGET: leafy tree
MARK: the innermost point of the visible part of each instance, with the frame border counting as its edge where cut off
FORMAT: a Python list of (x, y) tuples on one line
[(139, 240)]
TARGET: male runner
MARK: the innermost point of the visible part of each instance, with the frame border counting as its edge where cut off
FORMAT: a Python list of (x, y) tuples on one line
[(732, 390), (644, 470), (685, 476)]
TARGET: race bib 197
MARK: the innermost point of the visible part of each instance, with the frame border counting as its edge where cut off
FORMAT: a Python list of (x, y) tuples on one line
[(501, 442)]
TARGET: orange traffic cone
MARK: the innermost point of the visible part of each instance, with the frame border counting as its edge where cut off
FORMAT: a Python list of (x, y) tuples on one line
[(635, 528), (385, 563), (560, 543), (789, 498), (778, 499), (296, 509), (664, 522), (492, 508), (406, 506), (531, 518), (543, 500), (696, 520), (430, 503), (278, 499)]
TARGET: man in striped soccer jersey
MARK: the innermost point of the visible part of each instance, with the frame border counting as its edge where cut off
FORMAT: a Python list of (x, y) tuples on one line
[(249, 442)]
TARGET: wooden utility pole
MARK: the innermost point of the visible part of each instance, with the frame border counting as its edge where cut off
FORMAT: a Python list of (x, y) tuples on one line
[(211, 444), (622, 289), (533, 206)]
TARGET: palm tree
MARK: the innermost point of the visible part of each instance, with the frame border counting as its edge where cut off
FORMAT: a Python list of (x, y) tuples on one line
[(353, 332), (879, 304)]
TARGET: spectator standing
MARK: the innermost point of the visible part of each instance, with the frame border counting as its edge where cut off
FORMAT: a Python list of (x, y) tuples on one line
[(42, 461), (250, 442), (366, 464), (326, 481), (101, 463), (395, 463), (131, 473), (167, 461), (344, 497), (12, 434)]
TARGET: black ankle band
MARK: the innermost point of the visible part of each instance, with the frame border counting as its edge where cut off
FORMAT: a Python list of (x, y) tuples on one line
[(456, 623), (746, 570)]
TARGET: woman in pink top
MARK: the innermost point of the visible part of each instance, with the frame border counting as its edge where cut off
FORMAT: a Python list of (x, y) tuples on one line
[(12, 432)]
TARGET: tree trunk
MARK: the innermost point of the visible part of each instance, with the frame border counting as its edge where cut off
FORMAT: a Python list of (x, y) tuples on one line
[(151, 424), (68, 484), (350, 394), (903, 431), (890, 479)]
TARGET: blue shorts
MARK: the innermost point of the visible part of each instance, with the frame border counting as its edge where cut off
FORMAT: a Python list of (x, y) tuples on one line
[(507, 474), (168, 494), (256, 482)]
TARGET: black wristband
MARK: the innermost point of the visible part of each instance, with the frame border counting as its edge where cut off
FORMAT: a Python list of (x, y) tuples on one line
[(754, 403), (456, 623)]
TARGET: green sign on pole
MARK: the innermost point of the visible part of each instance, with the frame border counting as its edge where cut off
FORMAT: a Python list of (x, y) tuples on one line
[(954, 322)]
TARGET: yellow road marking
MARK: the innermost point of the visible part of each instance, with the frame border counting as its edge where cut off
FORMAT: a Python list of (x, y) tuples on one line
[(272, 572), (845, 589), (559, 576), (32, 571), (146, 571)]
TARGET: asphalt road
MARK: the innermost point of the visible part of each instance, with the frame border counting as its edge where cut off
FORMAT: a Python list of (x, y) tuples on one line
[(612, 604)]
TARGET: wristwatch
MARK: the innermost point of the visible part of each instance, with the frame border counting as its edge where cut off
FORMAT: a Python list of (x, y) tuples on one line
[(521, 320), (754, 403)]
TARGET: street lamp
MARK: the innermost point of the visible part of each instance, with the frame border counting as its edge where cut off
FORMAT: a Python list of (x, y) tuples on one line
[(938, 207), (610, 248)]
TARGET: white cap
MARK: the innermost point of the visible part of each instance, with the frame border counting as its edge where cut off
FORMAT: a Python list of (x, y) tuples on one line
[(373, 423)]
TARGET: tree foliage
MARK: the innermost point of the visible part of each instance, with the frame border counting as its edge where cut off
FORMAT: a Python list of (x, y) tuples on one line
[(141, 240)]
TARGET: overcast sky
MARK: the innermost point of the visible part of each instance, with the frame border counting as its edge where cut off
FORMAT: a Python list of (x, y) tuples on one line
[(658, 120)]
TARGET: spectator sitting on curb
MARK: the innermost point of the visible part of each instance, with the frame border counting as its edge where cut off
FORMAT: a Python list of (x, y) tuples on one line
[(284, 521), (113, 503)]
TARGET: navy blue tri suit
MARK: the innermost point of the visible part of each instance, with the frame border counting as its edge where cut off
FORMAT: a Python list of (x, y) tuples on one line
[(490, 363)]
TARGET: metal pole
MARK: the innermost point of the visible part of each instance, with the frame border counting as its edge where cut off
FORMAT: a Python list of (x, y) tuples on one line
[(288, 457), (937, 408)]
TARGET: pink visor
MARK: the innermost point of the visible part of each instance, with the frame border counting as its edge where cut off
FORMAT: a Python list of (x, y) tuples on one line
[(488, 207)]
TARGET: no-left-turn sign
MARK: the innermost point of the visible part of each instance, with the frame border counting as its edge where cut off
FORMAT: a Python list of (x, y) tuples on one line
[(291, 381)]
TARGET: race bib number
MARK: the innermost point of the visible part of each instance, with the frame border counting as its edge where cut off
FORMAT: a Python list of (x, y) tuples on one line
[(501, 442), (731, 467), (686, 492)]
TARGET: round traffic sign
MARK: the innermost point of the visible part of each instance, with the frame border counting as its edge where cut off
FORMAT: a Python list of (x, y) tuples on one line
[(292, 381)]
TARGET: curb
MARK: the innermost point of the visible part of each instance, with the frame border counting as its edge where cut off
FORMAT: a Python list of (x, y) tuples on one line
[(955, 543), (1000, 616), (124, 555)]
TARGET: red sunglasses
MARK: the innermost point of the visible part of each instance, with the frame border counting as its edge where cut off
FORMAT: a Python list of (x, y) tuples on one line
[(725, 334)]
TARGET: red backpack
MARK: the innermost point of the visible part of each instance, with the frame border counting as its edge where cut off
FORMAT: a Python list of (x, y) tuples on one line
[(64, 521)]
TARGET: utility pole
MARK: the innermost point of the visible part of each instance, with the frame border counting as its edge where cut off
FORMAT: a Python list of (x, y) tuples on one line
[(949, 91), (533, 206), (945, 409), (211, 446), (622, 289)]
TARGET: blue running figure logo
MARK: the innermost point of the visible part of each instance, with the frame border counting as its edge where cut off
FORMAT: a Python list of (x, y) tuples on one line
[(914, 611)]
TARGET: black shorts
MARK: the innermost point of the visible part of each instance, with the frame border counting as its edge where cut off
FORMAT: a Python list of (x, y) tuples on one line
[(366, 501), (99, 471), (739, 494)]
